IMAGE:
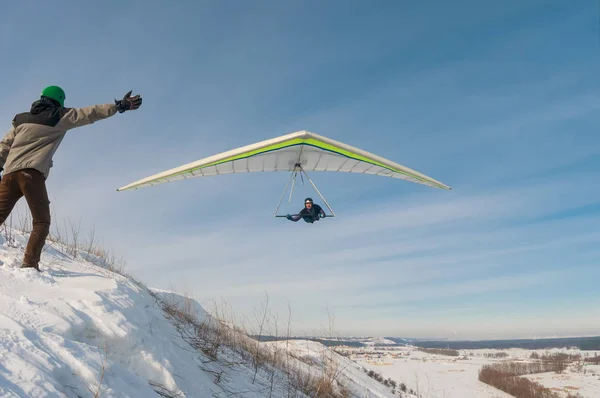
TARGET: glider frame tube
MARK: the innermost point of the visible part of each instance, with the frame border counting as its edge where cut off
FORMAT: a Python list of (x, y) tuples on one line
[(292, 179)]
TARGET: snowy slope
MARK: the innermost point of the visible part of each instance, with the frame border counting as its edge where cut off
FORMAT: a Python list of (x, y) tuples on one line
[(76, 328), (57, 327)]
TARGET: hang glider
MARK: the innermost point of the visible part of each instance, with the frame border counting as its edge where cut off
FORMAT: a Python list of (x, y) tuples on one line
[(301, 151)]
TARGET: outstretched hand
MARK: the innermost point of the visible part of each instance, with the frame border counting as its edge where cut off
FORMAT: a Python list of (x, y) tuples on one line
[(128, 103)]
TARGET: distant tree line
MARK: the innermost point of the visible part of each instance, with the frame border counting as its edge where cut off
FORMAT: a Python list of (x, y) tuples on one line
[(583, 343)]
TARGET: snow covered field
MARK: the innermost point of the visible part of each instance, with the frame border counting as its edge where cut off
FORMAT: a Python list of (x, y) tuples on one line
[(440, 376), (76, 329)]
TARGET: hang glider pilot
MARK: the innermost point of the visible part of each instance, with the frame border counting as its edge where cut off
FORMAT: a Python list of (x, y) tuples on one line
[(310, 213)]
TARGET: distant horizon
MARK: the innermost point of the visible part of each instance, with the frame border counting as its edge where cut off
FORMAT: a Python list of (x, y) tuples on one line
[(436, 339)]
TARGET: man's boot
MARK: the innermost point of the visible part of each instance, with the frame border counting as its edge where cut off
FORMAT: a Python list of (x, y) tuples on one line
[(25, 265)]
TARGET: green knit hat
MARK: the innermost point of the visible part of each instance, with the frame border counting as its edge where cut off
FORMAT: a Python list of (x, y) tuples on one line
[(56, 93)]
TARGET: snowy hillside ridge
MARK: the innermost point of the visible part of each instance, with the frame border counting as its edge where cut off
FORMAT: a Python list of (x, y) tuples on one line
[(316, 371), (352, 375), (76, 329), (380, 341)]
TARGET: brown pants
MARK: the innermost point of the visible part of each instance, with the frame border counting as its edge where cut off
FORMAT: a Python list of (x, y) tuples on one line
[(31, 184)]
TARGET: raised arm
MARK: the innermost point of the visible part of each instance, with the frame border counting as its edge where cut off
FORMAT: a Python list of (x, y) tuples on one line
[(77, 117)]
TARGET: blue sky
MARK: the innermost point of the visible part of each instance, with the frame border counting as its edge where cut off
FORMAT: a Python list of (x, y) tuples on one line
[(498, 100)]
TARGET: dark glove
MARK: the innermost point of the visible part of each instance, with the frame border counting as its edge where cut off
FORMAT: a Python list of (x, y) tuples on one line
[(128, 103), (289, 217), (323, 215)]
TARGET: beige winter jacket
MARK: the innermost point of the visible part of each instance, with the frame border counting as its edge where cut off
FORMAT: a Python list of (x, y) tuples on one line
[(36, 135)]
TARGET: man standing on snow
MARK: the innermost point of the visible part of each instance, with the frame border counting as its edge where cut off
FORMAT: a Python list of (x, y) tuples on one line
[(26, 157)]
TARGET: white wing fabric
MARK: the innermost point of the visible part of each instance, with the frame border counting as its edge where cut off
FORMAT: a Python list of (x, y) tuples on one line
[(312, 151)]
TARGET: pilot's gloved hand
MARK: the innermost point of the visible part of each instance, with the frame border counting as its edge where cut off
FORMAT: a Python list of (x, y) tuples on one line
[(289, 217)]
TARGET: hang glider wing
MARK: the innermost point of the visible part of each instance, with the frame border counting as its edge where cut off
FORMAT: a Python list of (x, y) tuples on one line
[(312, 151)]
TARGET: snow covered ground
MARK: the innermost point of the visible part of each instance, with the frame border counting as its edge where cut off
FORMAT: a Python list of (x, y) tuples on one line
[(75, 329), (439, 376), (435, 376)]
